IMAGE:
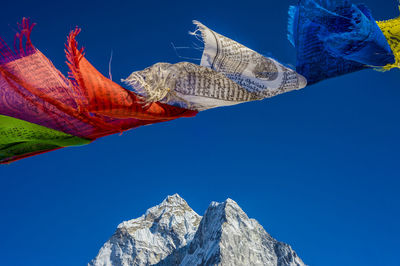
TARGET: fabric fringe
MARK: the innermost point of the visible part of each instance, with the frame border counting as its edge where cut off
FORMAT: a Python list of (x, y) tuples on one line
[(87, 105), (199, 27), (146, 94), (333, 38), (150, 92), (391, 31), (22, 43), (74, 55)]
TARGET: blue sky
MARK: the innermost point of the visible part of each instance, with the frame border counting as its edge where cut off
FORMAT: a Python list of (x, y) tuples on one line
[(318, 168)]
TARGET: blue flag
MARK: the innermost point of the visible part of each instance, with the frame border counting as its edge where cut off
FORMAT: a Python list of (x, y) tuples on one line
[(333, 38)]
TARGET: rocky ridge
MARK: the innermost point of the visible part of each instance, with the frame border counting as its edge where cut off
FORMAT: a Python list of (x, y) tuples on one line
[(173, 234)]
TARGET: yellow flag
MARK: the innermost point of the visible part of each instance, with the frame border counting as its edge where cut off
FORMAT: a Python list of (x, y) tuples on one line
[(391, 30)]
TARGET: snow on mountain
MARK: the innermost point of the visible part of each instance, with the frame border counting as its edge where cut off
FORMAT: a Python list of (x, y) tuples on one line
[(173, 234), (151, 237)]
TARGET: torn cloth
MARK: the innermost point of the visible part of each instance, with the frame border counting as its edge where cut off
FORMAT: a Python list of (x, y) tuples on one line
[(335, 37), (391, 30), (230, 73), (88, 105), (188, 86)]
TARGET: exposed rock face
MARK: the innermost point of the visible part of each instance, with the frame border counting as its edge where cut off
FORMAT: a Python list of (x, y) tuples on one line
[(173, 234), (152, 237)]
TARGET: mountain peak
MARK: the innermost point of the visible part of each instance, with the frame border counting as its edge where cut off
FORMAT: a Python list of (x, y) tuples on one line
[(171, 233), (228, 201), (174, 200), (151, 237)]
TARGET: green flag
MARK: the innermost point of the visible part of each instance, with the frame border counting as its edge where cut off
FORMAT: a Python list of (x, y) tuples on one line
[(19, 138)]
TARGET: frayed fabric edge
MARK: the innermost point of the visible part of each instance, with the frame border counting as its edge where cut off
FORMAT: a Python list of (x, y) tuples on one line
[(22, 43), (144, 92), (200, 37), (388, 67)]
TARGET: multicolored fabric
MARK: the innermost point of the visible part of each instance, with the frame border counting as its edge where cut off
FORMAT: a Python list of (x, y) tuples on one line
[(20, 139), (391, 30), (106, 98), (230, 73), (333, 38), (41, 110), (88, 105)]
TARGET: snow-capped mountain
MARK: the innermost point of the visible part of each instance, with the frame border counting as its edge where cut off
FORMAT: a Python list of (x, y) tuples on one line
[(173, 234)]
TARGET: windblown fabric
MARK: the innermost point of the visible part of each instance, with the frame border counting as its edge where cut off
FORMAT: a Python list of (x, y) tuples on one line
[(391, 30), (189, 86), (106, 98), (230, 73), (88, 105), (20, 139), (333, 38)]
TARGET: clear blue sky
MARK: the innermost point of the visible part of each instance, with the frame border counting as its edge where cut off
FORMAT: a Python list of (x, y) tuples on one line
[(318, 168)]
